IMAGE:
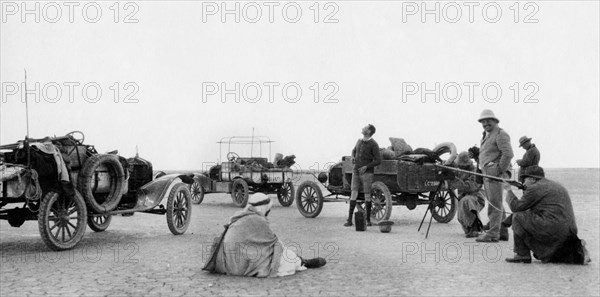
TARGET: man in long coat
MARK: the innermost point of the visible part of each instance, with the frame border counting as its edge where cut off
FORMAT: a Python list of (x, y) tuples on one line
[(543, 222)]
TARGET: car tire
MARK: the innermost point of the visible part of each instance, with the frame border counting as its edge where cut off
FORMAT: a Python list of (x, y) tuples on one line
[(99, 223), (60, 230), (179, 208), (87, 183), (240, 192), (197, 191)]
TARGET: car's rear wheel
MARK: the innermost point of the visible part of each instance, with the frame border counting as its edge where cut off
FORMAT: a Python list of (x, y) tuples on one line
[(197, 191), (61, 220), (286, 194), (444, 205), (99, 223)]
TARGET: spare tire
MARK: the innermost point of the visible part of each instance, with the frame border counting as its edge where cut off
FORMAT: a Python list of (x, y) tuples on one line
[(101, 182), (446, 147)]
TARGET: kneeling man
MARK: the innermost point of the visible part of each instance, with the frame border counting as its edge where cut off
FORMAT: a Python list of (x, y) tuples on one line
[(544, 223), (248, 246)]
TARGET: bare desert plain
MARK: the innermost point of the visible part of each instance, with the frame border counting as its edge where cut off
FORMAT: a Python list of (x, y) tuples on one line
[(138, 256)]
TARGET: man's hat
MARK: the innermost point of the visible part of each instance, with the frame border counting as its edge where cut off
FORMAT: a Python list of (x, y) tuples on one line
[(524, 140), (487, 114), (533, 171), (463, 159)]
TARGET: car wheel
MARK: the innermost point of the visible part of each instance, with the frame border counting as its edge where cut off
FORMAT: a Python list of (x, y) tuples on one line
[(197, 192), (99, 223), (286, 194), (61, 220), (240, 192), (179, 209), (382, 202), (444, 206), (309, 199)]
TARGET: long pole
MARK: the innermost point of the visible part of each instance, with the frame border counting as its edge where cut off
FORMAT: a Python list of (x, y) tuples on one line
[(252, 143), (27, 124), (495, 178), (26, 105)]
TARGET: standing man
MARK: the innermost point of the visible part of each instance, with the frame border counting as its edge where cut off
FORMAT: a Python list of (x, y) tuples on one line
[(531, 157), (366, 156), (494, 159)]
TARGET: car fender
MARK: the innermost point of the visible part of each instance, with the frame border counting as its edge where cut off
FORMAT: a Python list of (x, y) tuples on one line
[(204, 181), (152, 193)]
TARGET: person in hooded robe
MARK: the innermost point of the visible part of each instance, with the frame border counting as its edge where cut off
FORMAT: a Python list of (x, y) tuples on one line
[(471, 197), (248, 246)]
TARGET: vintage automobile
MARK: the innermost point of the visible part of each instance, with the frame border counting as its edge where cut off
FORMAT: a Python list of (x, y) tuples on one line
[(395, 182), (241, 176), (65, 184)]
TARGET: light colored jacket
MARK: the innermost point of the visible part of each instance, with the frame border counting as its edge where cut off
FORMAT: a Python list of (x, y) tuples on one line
[(496, 147)]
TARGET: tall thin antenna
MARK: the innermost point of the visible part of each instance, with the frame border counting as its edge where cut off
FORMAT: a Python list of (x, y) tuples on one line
[(252, 143), (26, 105), (27, 120)]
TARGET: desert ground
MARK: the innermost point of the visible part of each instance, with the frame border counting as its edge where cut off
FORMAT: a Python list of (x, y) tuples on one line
[(138, 256)]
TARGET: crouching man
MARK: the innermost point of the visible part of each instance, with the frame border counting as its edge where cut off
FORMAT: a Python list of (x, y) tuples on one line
[(470, 195), (543, 222), (248, 246)]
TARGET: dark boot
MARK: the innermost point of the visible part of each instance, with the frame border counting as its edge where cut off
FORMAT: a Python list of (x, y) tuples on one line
[(350, 213), (369, 206), (503, 234), (313, 263)]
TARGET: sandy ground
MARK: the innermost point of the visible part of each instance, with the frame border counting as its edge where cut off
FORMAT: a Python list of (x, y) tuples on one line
[(138, 256)]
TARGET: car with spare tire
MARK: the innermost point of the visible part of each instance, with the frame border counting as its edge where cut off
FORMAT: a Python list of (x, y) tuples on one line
[(65, 184)]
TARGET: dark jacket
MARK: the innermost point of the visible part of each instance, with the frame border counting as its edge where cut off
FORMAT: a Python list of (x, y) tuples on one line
[(543, 217), (531, 157), (466, 185), (366, 153)]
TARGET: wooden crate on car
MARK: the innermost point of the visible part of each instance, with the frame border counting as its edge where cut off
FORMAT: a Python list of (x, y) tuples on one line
[(415, 178)]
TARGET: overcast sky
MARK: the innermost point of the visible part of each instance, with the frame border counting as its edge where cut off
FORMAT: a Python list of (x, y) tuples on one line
[(371, 60)]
